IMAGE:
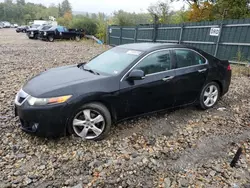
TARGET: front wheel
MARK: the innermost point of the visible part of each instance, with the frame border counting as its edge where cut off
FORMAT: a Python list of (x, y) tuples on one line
[(209, 95), (51, 38), (90, 122)]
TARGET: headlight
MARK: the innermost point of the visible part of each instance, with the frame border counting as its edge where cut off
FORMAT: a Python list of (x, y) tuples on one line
[(44, 101), (45, 33)]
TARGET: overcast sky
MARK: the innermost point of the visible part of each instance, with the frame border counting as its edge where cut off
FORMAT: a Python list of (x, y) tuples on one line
[(108, 6)]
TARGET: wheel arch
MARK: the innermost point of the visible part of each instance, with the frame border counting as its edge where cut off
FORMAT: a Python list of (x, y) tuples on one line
[(220, 85), (109, 106)]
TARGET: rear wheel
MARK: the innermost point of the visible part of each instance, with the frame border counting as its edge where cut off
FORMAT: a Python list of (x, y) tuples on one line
[(51, 38), (210, 95), (77, 38), (90, 122)]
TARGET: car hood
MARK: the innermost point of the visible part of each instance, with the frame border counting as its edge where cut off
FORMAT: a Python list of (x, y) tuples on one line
[(33, 29), (58, 78)]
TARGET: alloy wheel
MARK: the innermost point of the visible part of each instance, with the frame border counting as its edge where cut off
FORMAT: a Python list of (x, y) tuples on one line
[(88, 124), (210, 95)]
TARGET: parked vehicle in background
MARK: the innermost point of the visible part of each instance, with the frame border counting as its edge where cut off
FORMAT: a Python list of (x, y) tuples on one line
[(33, 33), (15, 25), (123, 82), (22, 29), (6, 24), (60, 32)]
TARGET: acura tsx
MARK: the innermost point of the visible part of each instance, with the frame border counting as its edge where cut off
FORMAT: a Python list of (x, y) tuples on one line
[(126, 81)]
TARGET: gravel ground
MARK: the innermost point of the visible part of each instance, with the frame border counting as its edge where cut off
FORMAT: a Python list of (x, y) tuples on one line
[(182, 148)]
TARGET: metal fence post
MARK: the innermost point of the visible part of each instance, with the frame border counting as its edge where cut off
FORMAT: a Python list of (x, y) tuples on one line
[(218, 40), (135, 34), (121, 36), (108, 35), (180, 38), (155, 32)]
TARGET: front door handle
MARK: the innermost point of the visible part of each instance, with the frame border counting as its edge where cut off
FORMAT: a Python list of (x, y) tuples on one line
[(202, 70), (167, 78)]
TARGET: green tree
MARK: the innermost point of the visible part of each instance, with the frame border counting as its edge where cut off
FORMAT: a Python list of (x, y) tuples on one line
[(180, 16), (85, 23), (235, 9), (65, 7), (130, 19), (161, 9)]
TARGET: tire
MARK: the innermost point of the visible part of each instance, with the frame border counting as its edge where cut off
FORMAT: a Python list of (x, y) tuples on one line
[(95, 110), (209, 96), (77, 38), (51, 38), (36, 36)]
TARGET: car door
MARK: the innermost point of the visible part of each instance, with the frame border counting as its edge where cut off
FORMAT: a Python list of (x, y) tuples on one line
[(154, 92), (191, 72), (66, 34), (59, 33)]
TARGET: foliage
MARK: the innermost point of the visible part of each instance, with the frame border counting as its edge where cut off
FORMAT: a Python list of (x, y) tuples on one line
[(129, 19), (236, 9), (196, 2), (64, 8), (20, 11), (180, 16), (161, 10), (85, 23), (102, 26), (203, 12)]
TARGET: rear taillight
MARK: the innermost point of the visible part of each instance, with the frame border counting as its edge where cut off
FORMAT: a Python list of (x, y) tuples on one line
[(228, 67)]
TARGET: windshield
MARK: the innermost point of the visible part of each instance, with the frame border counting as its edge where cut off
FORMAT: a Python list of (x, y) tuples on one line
[(35, 26), (113, 61), (53, 28)]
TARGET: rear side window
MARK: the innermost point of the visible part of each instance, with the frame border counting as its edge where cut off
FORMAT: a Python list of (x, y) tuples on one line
[(156, 62), (186, 58)]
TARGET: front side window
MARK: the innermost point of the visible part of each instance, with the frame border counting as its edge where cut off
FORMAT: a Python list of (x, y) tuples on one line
[(60, 29), (186, 58), (156, 62), (113, 61)]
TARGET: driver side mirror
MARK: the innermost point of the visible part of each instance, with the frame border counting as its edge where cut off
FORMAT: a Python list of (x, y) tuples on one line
[(136, 75)]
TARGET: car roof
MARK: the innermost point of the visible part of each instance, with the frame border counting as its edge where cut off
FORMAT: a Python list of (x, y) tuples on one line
[(147, 46)]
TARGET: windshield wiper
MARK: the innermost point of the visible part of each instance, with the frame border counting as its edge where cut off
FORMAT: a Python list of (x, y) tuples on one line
[(81, 66), (89, 70)]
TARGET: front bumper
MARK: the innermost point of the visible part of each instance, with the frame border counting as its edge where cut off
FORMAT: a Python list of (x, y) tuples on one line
[(42, 37), (45, 121), (31, 35)]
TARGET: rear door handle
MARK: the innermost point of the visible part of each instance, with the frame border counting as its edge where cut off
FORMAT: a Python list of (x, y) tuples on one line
[(202, 70), (167, 78)]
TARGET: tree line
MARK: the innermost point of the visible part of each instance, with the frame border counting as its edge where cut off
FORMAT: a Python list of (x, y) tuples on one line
[(96, 23)]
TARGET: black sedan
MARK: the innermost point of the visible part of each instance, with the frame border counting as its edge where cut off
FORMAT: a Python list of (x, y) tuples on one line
[(123, 82), (33, 33)]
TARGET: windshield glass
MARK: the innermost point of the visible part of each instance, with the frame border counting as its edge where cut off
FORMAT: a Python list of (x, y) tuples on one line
[(35, 26), (53, 28), (113, 61)]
